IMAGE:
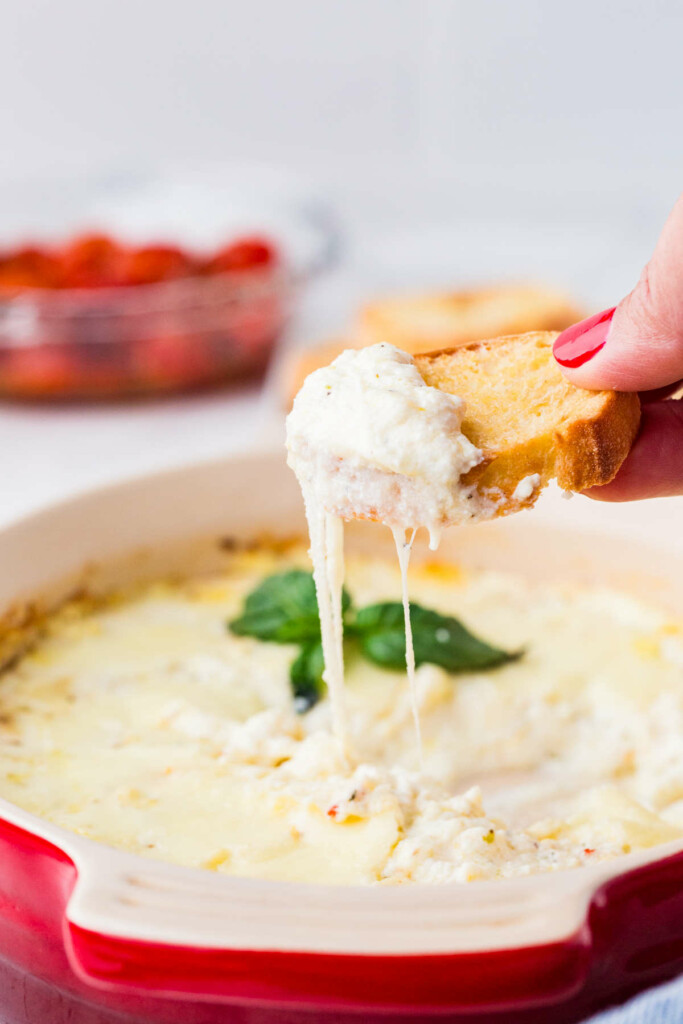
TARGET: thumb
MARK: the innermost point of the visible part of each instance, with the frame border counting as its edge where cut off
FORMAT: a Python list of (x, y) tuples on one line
[(639, 345)]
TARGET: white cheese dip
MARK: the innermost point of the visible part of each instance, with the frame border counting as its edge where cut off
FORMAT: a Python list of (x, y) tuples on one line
[(368, 439), (142, 722)]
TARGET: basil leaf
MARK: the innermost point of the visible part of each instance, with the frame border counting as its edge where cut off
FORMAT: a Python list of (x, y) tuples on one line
[(283, 609), (437, 639), (306, 676)]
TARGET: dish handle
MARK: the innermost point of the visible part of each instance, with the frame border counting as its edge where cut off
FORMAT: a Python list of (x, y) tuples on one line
[(161, 930), (165, 931)]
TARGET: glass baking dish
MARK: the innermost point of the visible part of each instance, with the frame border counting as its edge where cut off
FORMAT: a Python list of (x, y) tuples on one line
[(170, 335)]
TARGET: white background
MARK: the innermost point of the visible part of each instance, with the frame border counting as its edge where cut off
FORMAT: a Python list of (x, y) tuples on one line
[(522, 88), (458, 140)]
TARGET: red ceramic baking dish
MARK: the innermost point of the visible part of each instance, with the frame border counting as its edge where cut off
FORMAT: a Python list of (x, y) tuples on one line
[(92, 934)]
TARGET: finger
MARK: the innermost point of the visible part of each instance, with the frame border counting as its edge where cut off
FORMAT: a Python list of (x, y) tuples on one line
[(639, 345), (654, 466)]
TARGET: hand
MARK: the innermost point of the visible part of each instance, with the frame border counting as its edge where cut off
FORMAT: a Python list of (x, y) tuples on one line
[(638, 346)]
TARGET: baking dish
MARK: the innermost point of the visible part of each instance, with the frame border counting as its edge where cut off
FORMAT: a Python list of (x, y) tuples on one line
[(93, 934)]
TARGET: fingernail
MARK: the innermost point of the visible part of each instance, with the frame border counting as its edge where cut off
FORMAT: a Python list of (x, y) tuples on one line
[(582, 341)]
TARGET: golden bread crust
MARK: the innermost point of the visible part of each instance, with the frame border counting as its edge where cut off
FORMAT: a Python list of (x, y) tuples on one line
[(528, 419), (591, 451)]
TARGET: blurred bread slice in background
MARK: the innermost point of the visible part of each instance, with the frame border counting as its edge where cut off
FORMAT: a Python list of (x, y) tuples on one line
[(436, 320), (418, 323)]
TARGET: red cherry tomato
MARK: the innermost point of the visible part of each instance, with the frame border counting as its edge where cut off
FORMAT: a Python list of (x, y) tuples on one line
[(92, 261), (29, 267), (242, 254), (172, 360), (38, 372), (153, 263)]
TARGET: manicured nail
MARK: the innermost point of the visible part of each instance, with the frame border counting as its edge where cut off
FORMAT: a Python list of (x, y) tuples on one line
[(579, 343)]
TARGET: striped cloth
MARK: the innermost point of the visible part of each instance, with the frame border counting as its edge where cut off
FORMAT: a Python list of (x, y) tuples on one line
[(661, 1005)]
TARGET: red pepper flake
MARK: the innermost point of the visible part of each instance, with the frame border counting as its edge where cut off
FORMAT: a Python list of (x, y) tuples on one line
[(333, 811), (588, 850)]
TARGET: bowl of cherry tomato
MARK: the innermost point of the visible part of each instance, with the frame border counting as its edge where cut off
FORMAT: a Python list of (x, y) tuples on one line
[(95, 316)]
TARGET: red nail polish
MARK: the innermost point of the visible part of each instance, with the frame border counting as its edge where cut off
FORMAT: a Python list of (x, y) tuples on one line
[(579, 343)]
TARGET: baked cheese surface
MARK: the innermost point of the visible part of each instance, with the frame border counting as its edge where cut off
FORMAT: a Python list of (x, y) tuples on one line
[(141, 722)]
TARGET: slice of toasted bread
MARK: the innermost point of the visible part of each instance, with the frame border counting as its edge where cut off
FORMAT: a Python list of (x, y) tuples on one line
[(421, 323), (529, 420), (427, 322)]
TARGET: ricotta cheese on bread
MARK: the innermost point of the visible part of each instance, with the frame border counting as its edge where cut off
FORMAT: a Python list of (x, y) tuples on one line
[(369, 439)]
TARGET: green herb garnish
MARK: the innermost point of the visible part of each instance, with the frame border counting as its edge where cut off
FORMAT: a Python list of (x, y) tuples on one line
[(437, 639), (284, 609), (306, 675)]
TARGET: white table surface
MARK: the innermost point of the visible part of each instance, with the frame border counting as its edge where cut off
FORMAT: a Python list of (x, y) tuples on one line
[(49, 452)]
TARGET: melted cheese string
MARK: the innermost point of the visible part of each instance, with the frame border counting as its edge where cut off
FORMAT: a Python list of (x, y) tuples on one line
[(327, 555), (403, 550)]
